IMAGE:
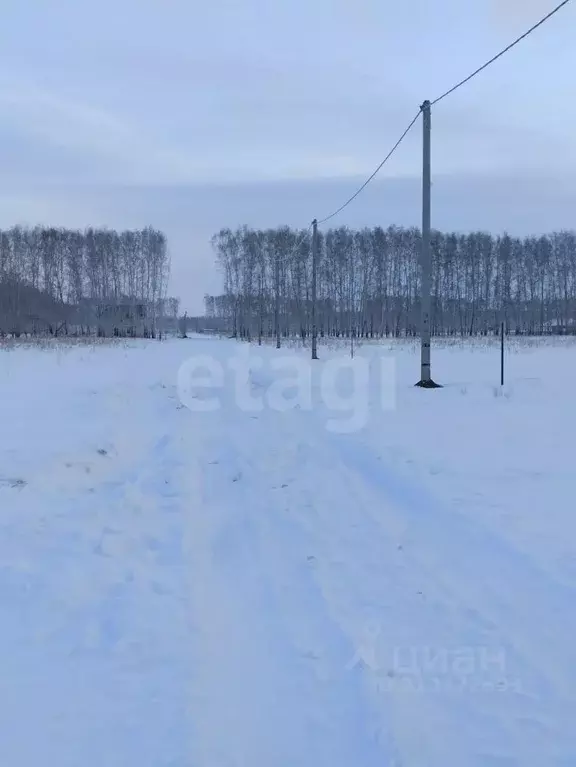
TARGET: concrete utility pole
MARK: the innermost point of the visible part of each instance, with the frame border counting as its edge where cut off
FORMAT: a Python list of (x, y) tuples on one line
[(426, 381), (314, 277), (277, 310), (261, 318)]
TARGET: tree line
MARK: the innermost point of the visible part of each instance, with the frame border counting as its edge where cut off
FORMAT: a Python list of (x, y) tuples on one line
[(368, 282), (60, 280)]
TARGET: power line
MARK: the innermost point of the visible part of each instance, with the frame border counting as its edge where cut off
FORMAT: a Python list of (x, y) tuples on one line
[(369, 179), (502, 52), (443, 96)]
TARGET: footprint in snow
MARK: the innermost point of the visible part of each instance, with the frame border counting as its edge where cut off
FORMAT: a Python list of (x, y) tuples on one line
[(12, 482)]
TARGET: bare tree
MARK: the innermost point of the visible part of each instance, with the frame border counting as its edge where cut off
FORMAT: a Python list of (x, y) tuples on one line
[(369, 282), (59, 281)]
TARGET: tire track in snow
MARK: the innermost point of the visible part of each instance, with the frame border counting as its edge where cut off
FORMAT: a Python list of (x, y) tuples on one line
[(437, 590), (482, 563), (465, 564), (371, 559), (273, 661)]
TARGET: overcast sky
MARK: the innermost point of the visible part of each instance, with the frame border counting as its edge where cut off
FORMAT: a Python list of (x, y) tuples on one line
[(190, 116)]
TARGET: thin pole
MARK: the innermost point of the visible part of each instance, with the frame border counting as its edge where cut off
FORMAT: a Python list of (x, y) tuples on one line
[(314, 278), (502, 354), (277, 310), (426, 260), (261, 319)]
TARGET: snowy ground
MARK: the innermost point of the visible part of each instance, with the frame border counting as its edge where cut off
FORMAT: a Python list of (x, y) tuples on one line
[(265, 583)]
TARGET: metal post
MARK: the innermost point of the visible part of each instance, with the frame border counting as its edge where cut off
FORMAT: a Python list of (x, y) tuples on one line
[(277, 311), (314, 277), (426, 259)]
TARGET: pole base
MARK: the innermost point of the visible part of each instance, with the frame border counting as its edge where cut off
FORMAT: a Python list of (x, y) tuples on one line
[(430, 384)]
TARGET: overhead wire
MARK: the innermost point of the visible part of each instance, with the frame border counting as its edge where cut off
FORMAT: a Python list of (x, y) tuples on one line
[(375, 173), (502, 52), (451, 90), (444, 95)]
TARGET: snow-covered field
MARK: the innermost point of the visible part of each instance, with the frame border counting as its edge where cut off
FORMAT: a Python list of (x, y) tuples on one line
[(252, 576)]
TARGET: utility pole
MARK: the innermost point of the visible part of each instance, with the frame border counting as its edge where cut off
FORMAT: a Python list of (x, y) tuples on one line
[(502, 354), (314, 278), (426, 381), (277, 310), (261, 319)]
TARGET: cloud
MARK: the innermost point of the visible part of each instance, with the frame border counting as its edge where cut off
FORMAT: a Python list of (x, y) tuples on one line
[(85, 130), (51, 134)]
